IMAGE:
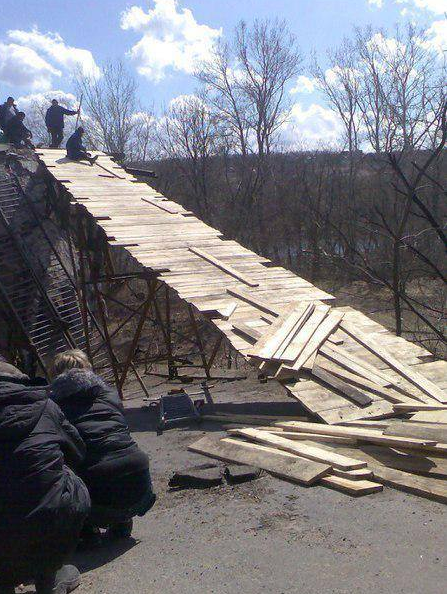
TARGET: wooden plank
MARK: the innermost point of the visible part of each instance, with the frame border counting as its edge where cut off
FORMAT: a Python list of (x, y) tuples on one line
[(371, 435), (324, 330), (419, 406), (427, 487), (347, 360), (351, 487), (279, 464), (437, 434), (405, 371), (338, 384), (158, 204), (310, 452), (247, 331), (300, 340), (295, 436), (225, 267), (433, 466), (254, 300), (358, 380), (283, 331), (361, 474), (307, 313), (272, 329), (432, 416)]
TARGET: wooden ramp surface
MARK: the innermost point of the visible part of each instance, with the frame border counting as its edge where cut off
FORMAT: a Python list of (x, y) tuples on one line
[(228, 283)]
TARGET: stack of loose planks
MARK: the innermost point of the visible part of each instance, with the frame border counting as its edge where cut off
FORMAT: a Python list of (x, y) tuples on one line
[(356, 458), (306, 341)]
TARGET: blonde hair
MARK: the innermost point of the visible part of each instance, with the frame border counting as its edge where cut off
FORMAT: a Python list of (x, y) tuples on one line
[(74, 359)]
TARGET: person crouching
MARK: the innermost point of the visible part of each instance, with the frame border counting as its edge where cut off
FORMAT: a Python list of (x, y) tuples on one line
[(115, 470)]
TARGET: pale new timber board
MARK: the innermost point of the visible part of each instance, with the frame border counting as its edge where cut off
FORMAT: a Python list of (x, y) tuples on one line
[(123, 201)]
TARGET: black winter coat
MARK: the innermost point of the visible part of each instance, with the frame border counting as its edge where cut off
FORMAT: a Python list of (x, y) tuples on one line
[(16, 129), (74, 144), (42, 502), (54, 118), (97, 413)]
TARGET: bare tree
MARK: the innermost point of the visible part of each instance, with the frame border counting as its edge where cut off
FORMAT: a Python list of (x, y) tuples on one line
[(109, 103), (188, 134), (143, 140)]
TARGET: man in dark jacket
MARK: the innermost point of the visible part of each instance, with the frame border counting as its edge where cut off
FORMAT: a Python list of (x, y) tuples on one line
[(17, 132), (76, 150), (54, 120), (43, 504), (8, 110), (115, 470)]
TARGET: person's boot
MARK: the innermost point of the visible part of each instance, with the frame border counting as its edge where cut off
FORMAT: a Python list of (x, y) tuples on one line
[(93, 159), (63, 581), (121, 530)]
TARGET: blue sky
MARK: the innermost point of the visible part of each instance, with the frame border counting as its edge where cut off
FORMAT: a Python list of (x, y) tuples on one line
[(41, 41)]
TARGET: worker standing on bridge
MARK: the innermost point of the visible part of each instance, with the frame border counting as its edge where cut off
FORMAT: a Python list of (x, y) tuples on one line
[(76, 150), (54, 120)]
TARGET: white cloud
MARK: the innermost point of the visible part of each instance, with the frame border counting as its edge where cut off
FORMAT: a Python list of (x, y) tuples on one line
[(22, 67), (68, 100), (53, 47), (303, 84), (376, 3), (435, 6), (312, 127), (172, 39), (437, 36)]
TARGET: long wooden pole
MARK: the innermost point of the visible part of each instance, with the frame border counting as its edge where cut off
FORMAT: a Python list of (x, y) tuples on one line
[(79, 111)]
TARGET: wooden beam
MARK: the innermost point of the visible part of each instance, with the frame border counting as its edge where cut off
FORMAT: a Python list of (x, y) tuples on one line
[(224, 267), (300, 449), (255, 301), (279, 464), (370, 435), (418, 380)]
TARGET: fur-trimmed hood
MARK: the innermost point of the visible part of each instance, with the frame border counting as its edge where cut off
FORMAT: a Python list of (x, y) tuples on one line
[(76, 381)]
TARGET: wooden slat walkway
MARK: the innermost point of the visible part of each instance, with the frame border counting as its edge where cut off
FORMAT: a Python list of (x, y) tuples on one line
[(159, 233)]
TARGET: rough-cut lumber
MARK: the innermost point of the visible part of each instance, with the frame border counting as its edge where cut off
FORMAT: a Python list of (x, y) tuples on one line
[(338, 384), (279, 464), (254, 300), (223, 266), (353, 364), (421, 382), (418, 406), (304, 334), (433, 466), (370, 435), (427, 487), (302, 320), (324, 330), (292, 309), (253, 334), (351, 487), (300, 449), (438, 434), (361, 474), (228, 311), (359, 381), (282, 333), (430, 416), (295, 436)]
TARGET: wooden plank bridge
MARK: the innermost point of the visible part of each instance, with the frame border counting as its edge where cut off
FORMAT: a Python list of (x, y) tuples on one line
[(246, 297)]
